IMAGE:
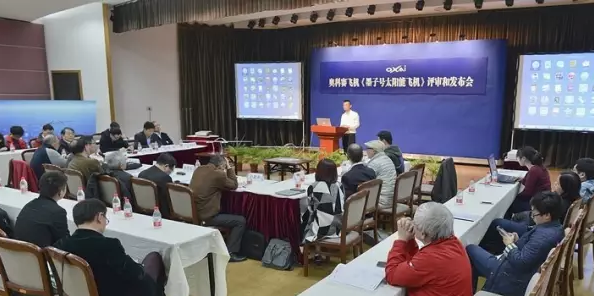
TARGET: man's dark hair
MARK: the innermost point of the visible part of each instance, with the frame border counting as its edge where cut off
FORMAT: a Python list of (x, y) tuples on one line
[(326, 171), (167, 159), (114, 125), (48, 127), (217, 160), (586, 166), (547, 202), (347, 101), (115, 131), (355, 153), (149, 125), (385, 136), (63, 132), (86, 210), (17, 130), (570, 184), (78, 145), (51, 183)]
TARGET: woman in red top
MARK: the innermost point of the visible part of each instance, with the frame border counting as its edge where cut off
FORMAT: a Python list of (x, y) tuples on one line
[(16, 138), (536, 180), (441, 267)]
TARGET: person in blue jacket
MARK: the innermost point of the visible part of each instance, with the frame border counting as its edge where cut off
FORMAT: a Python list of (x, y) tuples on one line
[(526, 248)]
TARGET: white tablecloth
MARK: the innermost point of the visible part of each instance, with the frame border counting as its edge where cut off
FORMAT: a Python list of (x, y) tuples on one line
[(184, 247), (5, 158), (501, 195), (168, 148)]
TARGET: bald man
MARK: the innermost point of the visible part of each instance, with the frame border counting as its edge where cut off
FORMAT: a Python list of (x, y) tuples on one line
[(359, 172)]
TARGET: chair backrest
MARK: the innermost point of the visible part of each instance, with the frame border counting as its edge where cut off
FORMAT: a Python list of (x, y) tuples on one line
[(27, 155), (145, 195), (375, 188), (405, 186), (532, 284), (48, 167), (354, 210), (572, 213), (23, 268), (548, 272), (589, 219), (182, 203), (568, 252), (420, 169), (72, 274), (108, 186), (74, 179)]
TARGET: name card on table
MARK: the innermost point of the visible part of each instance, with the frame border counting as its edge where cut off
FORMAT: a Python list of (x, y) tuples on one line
[(299, 178), (254, 177), (188, 167)]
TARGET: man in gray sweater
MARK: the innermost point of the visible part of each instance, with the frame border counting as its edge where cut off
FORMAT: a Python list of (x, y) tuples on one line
[(384, 170)]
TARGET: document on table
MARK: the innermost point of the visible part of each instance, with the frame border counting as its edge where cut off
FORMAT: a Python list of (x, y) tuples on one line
[(367, 278), (466, 216)]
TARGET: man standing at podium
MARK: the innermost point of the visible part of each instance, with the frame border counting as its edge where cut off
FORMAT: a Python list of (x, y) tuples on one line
[(349, 119)]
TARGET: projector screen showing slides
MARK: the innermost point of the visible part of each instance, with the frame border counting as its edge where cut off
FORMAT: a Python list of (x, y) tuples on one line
[(269, 91), (556, 92)]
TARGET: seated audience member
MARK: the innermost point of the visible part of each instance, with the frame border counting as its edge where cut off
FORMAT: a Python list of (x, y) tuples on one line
[(3, 147), (47, 129), (208, 183), (441, 267), (145, 136), (160, 174), (67, 138), (159, 136), (568, 187), (325, 199), (359, 172), (47, 153), (392, 151), (16, 138), (526, 248), (384, 170), (112, 139), (42, 221), (536, 180), (584, 167), (81, 149), (116, 162), (115, 273)]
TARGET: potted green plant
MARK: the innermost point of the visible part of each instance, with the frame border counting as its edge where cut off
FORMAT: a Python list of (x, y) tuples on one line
[(315, 159), (240, 153), (432, 165), (337, 157), (253, 158)]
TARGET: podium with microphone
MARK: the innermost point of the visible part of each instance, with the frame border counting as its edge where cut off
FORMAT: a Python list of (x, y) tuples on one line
[(328, 134)]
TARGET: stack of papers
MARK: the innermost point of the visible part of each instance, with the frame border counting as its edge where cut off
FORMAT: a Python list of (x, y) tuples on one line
[(365, 277)]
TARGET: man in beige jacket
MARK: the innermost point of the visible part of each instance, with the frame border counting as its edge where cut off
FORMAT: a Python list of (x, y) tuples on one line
[(208, 183)]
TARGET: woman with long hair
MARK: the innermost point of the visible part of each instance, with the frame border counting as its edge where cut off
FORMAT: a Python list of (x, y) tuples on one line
[(536, 180)]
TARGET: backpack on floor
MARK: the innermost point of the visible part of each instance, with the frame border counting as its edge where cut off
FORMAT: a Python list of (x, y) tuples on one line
[(253, 245), (278, 255)]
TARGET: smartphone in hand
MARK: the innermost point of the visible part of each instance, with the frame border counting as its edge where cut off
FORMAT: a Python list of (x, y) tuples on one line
[(502, 231)]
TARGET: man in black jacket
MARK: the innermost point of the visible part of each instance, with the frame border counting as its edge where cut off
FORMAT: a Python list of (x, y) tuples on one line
[(67, 138), (145, 136), (116, 273), (359, 172), (111, 139), (42, 221), (160, 174), (159, 136), (393, 151)]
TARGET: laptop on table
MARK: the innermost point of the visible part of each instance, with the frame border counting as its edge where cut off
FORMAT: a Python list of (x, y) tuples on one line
[(501, 178)]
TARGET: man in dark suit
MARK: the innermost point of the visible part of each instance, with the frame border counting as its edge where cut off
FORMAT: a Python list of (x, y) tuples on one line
[(42, 221), (47, 153), (112, 139), (145, 136), (359, 172), (116, 164), (116, 273), (160, 137), (160, 174), (67, 138)]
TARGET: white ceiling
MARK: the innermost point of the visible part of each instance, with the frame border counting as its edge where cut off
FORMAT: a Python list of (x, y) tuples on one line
[(30, 10)]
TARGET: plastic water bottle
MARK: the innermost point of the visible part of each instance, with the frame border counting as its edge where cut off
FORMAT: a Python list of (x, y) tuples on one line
[(127, 208), (472, 187), (488, 179), (23, 185), (197, 163), (0, 182), (460, 198), (116, 205), (138, 147), (12, 149), (157, 218), (80, 194)]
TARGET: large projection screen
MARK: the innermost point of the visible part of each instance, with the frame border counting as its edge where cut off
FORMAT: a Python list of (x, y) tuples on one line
[(556, 92), (269, 91)]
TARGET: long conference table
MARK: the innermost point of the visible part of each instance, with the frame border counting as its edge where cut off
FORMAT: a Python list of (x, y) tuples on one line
[(486, 204), (184, 247)]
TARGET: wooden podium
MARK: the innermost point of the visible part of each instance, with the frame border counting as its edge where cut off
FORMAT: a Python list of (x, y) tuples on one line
[(329, 136)]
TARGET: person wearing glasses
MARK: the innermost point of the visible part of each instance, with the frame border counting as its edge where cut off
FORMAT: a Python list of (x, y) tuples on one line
[(115, 272), (584, 167), (81, 161), (525, 248)]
